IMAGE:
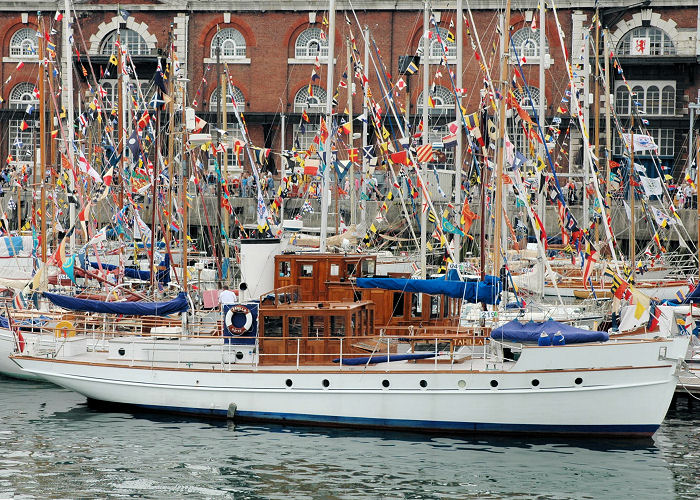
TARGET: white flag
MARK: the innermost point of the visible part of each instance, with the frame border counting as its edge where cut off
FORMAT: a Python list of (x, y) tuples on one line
[(641, 142)]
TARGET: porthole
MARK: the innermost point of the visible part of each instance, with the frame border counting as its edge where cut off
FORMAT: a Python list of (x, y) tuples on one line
[(239, 355), (578, 381), (462, 384), (423, 384), (121, 351), (494, 383), (325, 383), (535, 382), (288, 382), (385, 383)]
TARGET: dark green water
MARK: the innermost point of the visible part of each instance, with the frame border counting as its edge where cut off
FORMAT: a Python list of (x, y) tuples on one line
[(53, 446)]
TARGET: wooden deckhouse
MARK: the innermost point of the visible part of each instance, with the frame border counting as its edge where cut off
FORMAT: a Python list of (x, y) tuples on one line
[(329, 277)]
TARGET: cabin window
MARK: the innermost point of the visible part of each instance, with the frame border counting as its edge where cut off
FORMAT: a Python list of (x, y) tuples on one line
[(368, 267), (416, 305), (294, 326), (307, 270), (335, 270), (357, 295), (446, 308), (273, 326), (353, 325), (337, 326), (350, 269), (434, 306), (285, 269), (397, 309), (316, 327)]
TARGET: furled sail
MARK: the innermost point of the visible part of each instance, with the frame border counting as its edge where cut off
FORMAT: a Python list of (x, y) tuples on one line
[(514, 331), (487, 291), (177, 305)]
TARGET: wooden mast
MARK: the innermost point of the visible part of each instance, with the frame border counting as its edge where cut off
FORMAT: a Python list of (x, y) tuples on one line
[(424, 140), (633, 243), (351, 139), (498, 206), (596, 108), (122, 142), (224, 174), (42, 142), (183, 188), (325, 184)]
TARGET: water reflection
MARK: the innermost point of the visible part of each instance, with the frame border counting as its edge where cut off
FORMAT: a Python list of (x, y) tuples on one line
[(53, 444)]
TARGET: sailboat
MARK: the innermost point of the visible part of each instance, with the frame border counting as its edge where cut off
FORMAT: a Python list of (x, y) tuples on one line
[(320, 339)]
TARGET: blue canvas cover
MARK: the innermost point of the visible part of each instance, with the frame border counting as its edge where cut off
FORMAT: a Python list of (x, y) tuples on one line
[(177, 305), (162, 275), (514, 331), (383, 358), (487, 291)]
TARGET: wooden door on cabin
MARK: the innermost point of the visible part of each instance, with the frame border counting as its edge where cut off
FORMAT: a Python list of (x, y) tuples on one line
[(307, 273), (314, 341)]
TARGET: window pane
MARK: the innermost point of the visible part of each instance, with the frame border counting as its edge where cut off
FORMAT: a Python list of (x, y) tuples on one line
[(294, 326), (653, 100), (285, 269), (397, 310), (337, 326), (668, 100), (316, 327), (273, 326), (622, 101)]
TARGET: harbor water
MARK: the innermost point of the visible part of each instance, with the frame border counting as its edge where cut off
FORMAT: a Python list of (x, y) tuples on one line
[(52, 445)]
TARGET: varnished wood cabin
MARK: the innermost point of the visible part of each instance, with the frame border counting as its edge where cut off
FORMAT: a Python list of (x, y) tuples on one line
[(330, 278)]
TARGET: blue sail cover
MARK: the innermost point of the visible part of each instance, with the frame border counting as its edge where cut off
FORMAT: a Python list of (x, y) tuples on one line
[(162, 275), (177, 305), (487, 291), (514, 331)]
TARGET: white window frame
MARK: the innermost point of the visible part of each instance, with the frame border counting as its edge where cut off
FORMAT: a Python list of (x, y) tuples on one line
[(643, 87), (301, 100), (232, 91), (135, 44), (662, 46), (23, 44), (444, 99), (22, 95), (238, 41), (303, 43), (531, 38), (435, 49)]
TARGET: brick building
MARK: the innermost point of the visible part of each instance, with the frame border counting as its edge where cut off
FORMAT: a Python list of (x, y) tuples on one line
[(270, 49)]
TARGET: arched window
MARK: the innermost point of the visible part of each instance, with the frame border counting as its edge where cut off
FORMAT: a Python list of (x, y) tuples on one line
[(130, 39), (668, 100), (524, 99), (232, 43), (21, 131), (311, 43), (653, 100), (448, 40), (646, 41), (441, 96), (233, 92), (527, 44), (23, 43), (23, 94), (622, 100), (314, 102)]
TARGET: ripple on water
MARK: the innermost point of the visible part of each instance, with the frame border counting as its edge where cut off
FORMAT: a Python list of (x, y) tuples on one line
[(53, 445)]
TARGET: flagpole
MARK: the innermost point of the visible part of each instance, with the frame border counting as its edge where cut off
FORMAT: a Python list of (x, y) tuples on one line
[(67, 55), (42, 140), (633, 243), (459, 25), (424, 141), (365, 110), (540, 194), (498, 206), (349, 80), (283, 166), (329, 110)]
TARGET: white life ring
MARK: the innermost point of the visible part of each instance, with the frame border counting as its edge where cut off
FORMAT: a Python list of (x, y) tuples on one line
[(228, 319)]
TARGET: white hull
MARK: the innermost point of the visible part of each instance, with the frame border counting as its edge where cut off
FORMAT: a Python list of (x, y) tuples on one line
[(612, 399)]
